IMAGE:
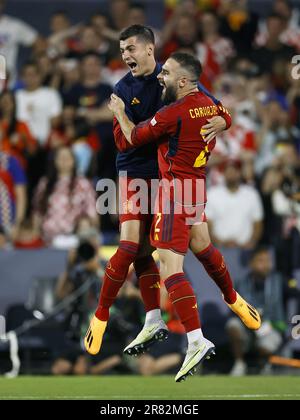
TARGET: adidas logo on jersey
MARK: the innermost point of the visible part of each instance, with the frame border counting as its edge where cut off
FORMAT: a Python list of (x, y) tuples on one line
[(135, 101)]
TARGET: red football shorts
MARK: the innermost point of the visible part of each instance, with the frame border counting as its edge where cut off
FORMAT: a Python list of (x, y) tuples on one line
[(172, 222), (135, 202)]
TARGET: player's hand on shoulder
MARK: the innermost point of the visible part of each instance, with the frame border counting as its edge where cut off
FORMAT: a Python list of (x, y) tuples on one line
[(214, 127)]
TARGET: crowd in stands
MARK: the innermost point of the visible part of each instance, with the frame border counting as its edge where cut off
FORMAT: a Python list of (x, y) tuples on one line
[(56, 137)]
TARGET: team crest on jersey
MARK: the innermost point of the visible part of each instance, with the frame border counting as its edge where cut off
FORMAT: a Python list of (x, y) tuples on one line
[(153, 122), (135, 101)]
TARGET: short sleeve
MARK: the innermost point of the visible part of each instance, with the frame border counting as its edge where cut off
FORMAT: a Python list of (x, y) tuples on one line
[(257, 207), (17, 172), (26, 35), (55, 104)]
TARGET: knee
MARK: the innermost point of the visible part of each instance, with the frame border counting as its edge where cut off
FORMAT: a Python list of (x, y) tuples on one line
[(199, 243), (80, 367), (61, 367), (234, 329), (147, 369)]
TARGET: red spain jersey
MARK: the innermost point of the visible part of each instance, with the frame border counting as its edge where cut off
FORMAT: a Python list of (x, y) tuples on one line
[(182, 150), (182, 156)]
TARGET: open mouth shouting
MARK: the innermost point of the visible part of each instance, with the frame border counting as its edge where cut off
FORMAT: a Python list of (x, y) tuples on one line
[(133, 66)]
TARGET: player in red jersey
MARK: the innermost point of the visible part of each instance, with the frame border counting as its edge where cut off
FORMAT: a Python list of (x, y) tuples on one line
[(141, 92), (182, 156)]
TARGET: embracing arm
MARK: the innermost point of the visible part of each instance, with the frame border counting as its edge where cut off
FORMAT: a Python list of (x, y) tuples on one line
[(127, 135), (217, 124)]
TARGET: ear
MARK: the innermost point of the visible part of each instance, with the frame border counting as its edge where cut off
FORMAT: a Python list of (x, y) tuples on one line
[(150, 50), (182, 83)]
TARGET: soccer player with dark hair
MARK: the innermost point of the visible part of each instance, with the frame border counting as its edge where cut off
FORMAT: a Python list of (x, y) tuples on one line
[(141, 93), (182, 155)]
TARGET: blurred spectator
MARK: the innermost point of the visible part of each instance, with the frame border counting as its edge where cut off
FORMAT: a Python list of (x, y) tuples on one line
[(293, 97), (4, 240), (69, 75), (28, 236), (63, 197), (222, 47), (83, 268), (14, 32), (15, 136), (77, 134), (237, 143), (63, 37), (138, 16), (270, 181), (239, 24), (94, 41), (286, 204), (84, 271), (119, 12), (12, 194), (39, 106), (273, 49), (174, 8), (290, 35), (185, 37), (263, 287), (274, 131), (85, 231), (234, 211), (101, 24), (88, 100), (285, 9), (47, 70), (91, 95)]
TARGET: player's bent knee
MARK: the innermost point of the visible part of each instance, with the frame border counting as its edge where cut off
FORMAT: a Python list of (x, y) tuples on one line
[(200, 238), (198, 245), (132, 230)]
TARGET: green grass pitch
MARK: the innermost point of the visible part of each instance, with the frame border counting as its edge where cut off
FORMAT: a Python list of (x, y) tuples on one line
[(151, 388)]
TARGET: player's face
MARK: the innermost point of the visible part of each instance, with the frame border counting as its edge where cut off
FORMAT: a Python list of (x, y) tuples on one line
[(138, 56), (169, 78)]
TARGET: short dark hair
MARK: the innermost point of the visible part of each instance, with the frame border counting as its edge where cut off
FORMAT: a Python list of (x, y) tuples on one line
[(275, 15), (85, 252), (139, 6), (189, 62), (30, 63), (142, 32), (91, 53), (60, 13), (260, 249)]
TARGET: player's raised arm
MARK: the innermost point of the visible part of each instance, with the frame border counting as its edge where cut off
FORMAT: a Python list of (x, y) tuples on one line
[(145, 132), (121, 122)]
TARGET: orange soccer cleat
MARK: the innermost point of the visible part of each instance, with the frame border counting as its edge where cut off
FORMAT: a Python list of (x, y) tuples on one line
[(94, 335), (247, 313)]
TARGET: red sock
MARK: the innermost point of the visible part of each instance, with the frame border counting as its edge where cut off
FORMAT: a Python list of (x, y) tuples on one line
[(214, 264), (149, 282), (183, 298), (115, 274)]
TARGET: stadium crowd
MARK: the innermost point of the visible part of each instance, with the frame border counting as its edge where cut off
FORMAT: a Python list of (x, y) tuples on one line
[(56, 137)]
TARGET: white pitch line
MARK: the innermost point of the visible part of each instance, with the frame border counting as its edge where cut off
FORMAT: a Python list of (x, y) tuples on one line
[(147, 397)]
